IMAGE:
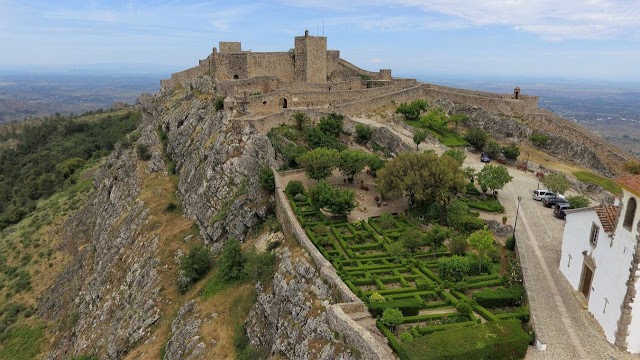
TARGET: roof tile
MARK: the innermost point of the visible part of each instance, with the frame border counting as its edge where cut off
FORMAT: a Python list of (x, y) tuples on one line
[(608, 215), (631, 183)]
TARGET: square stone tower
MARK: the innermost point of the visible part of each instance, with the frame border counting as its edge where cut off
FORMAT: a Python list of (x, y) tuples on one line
[(311, 58)]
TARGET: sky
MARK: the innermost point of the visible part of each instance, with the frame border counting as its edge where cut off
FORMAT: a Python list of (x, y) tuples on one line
[(571, 39)]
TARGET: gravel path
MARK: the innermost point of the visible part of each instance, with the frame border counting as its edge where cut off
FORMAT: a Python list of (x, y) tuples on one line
[(568, 330)]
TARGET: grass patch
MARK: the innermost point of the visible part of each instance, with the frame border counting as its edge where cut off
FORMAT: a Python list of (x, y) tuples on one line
[(606, 183), (447, 137), (23, 343)]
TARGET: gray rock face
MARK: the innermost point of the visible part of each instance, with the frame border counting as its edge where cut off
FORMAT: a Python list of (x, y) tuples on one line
[(290, 318), (109, 295), (185, 343), (385, 138), (218, 162)]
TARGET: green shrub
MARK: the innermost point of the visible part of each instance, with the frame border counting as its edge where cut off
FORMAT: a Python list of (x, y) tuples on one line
[(406, 337), (171, 207), (232, 262), (458, 245), (424, 285), (331, 124), (386, 221), (260, 266), (363, 133), (500, 297), (461, 286), (408, 307), (472, 190), (492, 340), (578, 202), (267, 179), (294, 187), (219, 103), (512, 151), (194, 265), (463, 308), (493, 149), (454, 268), (299, 198), (511, 243), (539, 139), (477, 138), (392, 317), (143, 152), (376, 297)]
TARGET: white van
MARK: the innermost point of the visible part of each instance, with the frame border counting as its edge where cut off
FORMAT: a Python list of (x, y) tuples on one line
[(540, 194)]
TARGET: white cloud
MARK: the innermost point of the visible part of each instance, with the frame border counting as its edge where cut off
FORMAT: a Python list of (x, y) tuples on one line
[(550, 19)]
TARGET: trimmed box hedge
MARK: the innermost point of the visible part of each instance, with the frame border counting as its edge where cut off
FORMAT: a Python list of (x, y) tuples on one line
[(494, 340), (409, 307), (501, 297)]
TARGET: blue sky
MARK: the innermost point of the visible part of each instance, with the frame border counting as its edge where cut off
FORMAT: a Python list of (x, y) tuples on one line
[(573, 39)]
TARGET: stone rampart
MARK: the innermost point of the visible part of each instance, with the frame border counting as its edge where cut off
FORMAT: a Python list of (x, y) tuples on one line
[(262, 84), (495, 103), (182, 76), (361, 107), (279, 64), (354, 334)]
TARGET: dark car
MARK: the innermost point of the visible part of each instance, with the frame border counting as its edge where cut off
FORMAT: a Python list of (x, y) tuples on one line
[(485, 158), (558, 210), (551, 201)]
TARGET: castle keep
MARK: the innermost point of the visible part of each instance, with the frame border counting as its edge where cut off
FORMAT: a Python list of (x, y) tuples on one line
[(309, 77)]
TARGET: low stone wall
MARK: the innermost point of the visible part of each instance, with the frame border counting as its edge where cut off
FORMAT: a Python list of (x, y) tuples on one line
[(339, 321), (182, 76), (357, 336)]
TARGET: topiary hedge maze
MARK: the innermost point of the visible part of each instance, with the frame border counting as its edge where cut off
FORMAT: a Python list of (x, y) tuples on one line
[(369, 258)]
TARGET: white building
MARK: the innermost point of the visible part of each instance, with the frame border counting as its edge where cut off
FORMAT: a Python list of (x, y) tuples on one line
[(600, 258)]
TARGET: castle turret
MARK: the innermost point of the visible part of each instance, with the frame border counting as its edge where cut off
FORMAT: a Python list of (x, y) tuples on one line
[(311, 58)]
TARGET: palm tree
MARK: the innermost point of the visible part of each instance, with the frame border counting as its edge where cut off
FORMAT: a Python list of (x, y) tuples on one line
[(300, 119)]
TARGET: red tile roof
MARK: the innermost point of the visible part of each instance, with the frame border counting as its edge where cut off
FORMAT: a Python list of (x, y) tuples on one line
[(608, 215), (631, 183)]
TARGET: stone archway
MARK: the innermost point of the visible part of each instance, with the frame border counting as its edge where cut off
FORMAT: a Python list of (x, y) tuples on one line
[(236, 77), (284, 103)]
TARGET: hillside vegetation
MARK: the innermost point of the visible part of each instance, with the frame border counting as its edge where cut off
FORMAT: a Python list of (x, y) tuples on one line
[(45, 156)]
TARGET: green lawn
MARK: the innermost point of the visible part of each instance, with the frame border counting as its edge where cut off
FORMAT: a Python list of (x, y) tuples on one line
[(608, 184), (448, 137)]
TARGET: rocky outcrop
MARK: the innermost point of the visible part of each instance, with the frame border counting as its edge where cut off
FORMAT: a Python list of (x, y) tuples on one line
[(110, 294), (290, 316), (386, 139), (218, 162), (185, 343), (107, 298)]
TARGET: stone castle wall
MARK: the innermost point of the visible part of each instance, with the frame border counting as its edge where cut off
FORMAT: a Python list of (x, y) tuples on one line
[(279, 64), (262, 84), (311, 59), (183, 76), (230, 66)]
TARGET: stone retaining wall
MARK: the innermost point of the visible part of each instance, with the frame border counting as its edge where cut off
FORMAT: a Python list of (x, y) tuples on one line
[(354, 334)]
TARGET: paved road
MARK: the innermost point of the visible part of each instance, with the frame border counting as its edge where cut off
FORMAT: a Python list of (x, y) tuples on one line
[(568, 329)]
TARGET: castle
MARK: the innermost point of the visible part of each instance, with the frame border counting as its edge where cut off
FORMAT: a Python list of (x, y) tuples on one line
[(311, 77)]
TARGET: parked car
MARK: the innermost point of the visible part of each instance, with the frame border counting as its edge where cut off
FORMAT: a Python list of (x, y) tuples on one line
[(558, 210), (551, 195), (539, 194), (485, 158), (551, 201)]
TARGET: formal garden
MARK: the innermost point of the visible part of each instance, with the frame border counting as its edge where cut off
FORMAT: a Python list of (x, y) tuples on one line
[(433, 276)]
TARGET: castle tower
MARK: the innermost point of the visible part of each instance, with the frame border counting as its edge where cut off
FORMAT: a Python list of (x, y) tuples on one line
[(311, 58)]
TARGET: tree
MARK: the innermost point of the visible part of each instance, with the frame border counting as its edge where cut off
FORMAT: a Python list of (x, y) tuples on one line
[(375, 163), (494, 177), (419, 136), (396, 250), (453, 268), (632, 167), (435, 119), (412, 239), (477, 138), (392, 317), (470, 173), (232, 262), (300, 119), (317, 138), (331, 124), (412, 111), (351, 162), (539, 139), (457, 155), (458, 245), (363, 133), (578, 202), (338, 201), (458, 119), (436, 237), (319, 163), (483, 242), (342, 201), (294, 187), (493, 149), (556, 182), (194, 266), (423, 177), (512, 151)]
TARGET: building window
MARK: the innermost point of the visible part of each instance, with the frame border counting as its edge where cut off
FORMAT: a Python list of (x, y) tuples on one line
[(593, 238), (629, 214)]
